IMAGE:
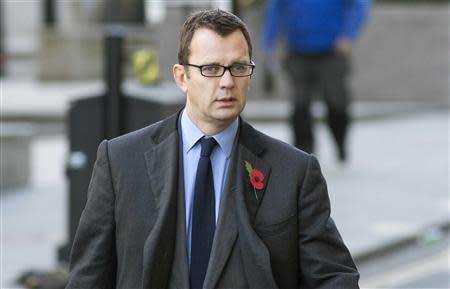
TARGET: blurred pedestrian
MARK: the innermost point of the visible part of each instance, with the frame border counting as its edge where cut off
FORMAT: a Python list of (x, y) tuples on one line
[(319, 37)]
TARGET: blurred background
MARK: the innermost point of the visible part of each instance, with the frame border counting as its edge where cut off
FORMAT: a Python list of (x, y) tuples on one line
[(76, 72)]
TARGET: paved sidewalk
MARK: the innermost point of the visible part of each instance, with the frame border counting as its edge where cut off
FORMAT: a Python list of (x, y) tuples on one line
[(34, 219)]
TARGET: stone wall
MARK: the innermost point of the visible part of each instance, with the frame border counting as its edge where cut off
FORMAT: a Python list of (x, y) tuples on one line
[(404, 55)]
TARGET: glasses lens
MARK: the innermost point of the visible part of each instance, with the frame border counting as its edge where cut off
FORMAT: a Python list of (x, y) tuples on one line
[(212, 70), (241, 69)]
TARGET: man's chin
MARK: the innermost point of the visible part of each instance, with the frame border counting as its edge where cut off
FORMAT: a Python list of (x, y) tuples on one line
[(224, 120), (227, 114)]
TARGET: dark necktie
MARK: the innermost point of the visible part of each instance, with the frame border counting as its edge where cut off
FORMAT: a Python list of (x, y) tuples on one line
[(203, 216)]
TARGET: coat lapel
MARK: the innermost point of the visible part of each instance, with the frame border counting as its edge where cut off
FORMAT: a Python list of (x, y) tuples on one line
[(180, 268), (162, 167), (255, 255), (250, 153), (252, 195), (226, 231), (238, 209)]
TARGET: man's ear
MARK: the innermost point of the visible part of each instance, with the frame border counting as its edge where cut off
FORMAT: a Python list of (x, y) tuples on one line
[(179, 74)]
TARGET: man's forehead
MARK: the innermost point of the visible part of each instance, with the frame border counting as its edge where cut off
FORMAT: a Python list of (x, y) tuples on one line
[(210, 45)]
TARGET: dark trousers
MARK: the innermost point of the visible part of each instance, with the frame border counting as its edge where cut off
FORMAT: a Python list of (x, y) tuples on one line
[(325, 75)]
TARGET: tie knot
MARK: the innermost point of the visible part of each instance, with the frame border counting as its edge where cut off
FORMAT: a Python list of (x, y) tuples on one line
[(208, 145)]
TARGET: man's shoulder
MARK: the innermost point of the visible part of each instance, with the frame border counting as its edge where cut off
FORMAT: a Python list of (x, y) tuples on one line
[(274, 148), (145, 137)]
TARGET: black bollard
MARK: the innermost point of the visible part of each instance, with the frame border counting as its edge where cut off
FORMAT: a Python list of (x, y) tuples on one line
[(49, 13), (91, 120), (114, 105), (2, 41), (96, 117)]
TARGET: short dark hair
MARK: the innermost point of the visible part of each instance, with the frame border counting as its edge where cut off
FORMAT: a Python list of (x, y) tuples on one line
[(217, 20)]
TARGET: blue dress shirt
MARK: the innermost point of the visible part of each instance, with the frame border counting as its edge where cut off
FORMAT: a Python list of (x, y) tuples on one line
[(220, 159)]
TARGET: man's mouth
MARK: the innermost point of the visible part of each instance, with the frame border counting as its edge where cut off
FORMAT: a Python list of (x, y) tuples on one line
[(226, 101)]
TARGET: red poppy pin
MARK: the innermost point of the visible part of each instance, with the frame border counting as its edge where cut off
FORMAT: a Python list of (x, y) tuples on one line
[(256, 178)]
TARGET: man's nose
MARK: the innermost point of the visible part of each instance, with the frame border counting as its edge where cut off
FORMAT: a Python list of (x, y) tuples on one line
[(227, 80)]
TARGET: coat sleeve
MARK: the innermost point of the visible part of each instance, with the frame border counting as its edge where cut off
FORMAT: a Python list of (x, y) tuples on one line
[(325, 261), (93, 255)]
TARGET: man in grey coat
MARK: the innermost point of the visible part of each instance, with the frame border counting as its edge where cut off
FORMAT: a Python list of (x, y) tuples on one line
[(202, 199)]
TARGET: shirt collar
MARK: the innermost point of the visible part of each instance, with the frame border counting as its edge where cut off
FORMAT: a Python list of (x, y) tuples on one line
[(191, 134)]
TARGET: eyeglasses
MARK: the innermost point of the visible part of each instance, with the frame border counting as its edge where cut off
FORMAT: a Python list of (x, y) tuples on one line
[(216, 70)]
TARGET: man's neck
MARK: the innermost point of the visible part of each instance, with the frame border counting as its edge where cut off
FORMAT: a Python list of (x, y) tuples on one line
[(209, 128)]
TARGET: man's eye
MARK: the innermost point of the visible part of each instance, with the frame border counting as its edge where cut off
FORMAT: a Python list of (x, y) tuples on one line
[(239, 67), (211, 68)]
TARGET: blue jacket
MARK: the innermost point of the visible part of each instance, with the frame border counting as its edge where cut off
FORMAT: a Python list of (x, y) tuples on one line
[(312, 26)]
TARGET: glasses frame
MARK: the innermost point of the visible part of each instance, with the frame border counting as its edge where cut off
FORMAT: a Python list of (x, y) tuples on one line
[(200, 67)]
